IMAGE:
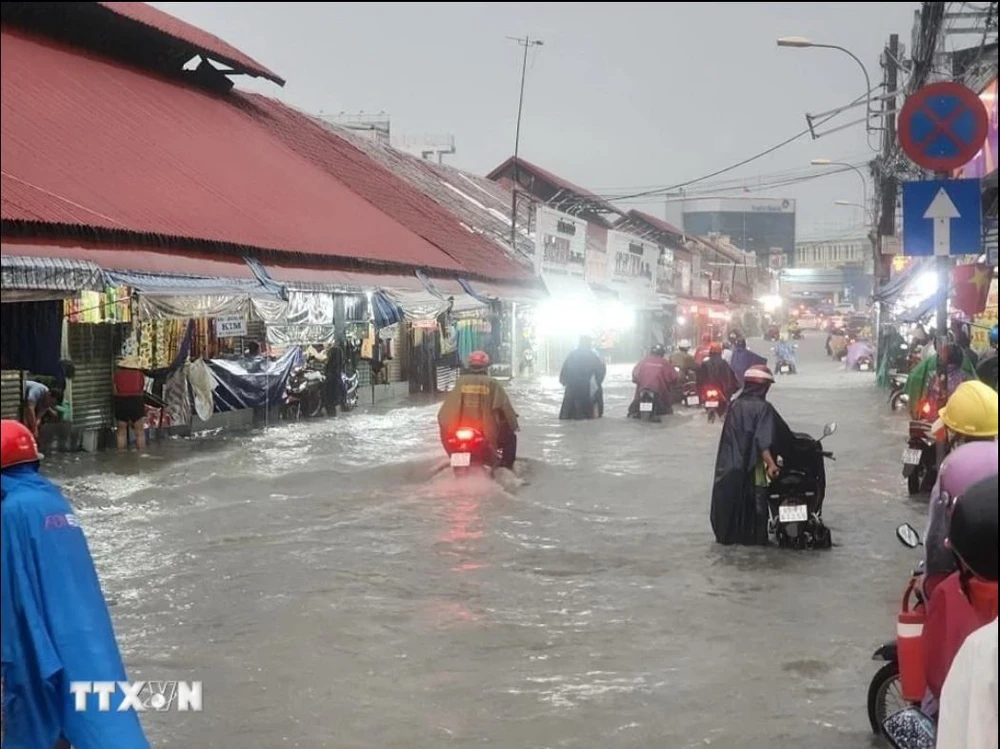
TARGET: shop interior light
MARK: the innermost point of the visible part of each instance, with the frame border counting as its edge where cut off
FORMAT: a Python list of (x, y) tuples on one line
[(926, 284), (619, 316), (565, 316), (681, 320), (770, 302)]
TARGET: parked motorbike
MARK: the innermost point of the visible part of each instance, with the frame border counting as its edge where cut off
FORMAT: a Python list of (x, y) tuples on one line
[(467, 448), (885, 691), (303, 394), (909, 728), (866, 364), (795, 498), (898, 399), (714, 403), (920, 456)]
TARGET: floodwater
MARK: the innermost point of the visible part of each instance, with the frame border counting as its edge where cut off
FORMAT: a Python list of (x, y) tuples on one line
[(330, 589)]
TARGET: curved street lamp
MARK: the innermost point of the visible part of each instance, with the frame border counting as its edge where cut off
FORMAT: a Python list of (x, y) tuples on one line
[(801, 42)]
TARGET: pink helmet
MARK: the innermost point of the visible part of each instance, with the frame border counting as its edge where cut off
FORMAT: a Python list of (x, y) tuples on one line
[(968, 464)]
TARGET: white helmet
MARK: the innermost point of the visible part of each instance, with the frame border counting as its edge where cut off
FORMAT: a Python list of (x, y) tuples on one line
[(684, 344)]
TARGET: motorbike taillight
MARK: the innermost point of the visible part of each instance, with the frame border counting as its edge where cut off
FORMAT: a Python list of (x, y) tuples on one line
[(465, 434), (925, 408), (711, 393)]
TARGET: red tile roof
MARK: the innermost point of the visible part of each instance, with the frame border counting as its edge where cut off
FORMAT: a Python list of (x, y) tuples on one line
[(93, 145), (389, 191), (206, 44), (555, 180)]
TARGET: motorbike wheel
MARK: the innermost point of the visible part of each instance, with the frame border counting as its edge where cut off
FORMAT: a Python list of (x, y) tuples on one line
[(350, 402), (898, 401), (914, 482), (311, 405), (884, 696)]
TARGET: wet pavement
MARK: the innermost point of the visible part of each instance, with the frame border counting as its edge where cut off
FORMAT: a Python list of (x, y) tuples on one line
[(331, 590)]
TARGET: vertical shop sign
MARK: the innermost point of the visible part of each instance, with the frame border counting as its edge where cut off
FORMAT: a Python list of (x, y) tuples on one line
[(560, 243)]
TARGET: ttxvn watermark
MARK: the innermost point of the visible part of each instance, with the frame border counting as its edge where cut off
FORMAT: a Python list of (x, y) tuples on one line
[(106, 696)]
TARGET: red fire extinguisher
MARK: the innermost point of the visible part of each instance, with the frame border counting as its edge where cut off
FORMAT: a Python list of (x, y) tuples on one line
[(910, 646)]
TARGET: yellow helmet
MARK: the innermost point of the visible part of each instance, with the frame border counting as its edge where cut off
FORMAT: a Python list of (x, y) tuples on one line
[(971, 410)]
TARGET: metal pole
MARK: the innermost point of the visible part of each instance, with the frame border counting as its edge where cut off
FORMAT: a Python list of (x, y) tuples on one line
[(525, 42), (868, 81)]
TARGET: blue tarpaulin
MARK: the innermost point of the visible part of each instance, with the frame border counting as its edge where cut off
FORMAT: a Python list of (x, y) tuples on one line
[(252, 383), (385, 311)]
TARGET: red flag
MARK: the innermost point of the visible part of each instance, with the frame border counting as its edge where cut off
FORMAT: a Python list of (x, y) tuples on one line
[(970, 287)]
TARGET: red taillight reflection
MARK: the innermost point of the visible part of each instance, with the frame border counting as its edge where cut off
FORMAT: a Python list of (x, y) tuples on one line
[(711, 393), (464, 434)]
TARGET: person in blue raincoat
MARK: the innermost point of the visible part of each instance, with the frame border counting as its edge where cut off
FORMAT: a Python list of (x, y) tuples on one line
[(56, 626)]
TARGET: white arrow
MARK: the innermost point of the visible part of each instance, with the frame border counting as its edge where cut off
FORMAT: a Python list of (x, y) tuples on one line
[(942, 210)]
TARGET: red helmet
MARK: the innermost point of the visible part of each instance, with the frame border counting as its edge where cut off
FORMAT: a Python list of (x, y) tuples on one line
[(478, 360), (17, 444), (715, 347)]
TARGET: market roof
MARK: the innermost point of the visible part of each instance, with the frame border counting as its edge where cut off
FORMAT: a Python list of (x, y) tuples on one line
[(596, 202), (93, 148), (479, 203), (379, 182), (132, 32), (657, 224)]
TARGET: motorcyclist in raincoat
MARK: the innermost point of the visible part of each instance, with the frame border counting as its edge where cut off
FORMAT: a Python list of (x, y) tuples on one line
[(682, 359), (784, 351), (921, 378), (753, 435), (969, 698), (480, 401), (966, 599), (56, 626), (743, 358), (582, 376), (716, 373), (657, 374)]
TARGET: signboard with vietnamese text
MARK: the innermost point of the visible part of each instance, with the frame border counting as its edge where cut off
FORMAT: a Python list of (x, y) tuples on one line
[(632, 260), (230, 326), (560, 243)]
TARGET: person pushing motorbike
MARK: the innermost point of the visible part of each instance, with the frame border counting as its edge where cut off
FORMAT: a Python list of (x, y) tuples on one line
[(752, 436), (656, 374), (56, 626), (479, 400)]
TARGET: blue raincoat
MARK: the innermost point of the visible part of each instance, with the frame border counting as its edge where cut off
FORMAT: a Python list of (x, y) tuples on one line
[(56, 626)]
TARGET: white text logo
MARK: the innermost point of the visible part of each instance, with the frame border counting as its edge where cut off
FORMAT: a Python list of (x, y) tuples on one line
[(136, 695)]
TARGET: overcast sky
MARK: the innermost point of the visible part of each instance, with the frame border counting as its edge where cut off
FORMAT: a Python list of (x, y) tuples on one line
[(621, 96)]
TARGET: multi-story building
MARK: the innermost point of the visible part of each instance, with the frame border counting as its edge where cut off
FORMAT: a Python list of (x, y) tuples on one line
[(833, 253)]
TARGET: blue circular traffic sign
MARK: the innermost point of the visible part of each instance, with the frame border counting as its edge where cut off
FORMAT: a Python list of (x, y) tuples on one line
[(942, 126)]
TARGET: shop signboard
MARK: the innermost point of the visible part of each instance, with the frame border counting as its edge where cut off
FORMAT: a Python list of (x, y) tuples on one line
[(632, 260), (985, 161), (230, 326), (560, 243)]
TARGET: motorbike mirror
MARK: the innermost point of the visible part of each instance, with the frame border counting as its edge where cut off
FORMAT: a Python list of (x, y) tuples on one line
[(908, 536), (910, 729), (829, 428)]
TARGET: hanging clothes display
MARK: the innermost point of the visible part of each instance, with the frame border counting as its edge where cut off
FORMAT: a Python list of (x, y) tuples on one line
[(474, 335), (113, 305), (155, 343)]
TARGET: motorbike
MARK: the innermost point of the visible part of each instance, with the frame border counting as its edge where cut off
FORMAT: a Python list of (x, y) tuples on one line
[(866, 364), (689, 390), (920, 455), (785, 367), (647, 406), (303, 394), (795, 497), (909, 728), (773, 333), (898, 399), (527, 362), (714, 404), (885, 694), (796, 333), (467, 448)]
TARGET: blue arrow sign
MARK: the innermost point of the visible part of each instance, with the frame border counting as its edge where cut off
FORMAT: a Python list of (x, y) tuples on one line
[(942, 217)]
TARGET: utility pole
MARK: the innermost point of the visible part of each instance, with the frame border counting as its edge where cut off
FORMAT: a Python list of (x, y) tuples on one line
[(888, 185), (526, 42)]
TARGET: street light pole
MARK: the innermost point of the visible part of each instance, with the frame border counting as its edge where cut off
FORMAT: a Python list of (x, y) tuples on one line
[(801, 42), (526, 42), (861, 175)]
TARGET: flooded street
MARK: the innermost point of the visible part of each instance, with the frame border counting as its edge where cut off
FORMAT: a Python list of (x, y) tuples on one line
[(330, 589)]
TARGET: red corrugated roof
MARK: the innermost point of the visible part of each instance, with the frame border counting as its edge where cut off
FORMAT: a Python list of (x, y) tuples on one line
[(93, 144), (134, 258), (207, 44), (657, 223), (390, 192), (553, 179)]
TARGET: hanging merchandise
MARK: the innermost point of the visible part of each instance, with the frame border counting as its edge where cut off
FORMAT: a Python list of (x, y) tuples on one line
[(113, 305), (474, 335), (368, 343)]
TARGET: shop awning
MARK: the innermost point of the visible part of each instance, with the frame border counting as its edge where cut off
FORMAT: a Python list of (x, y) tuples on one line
[(451, 291), (161, 284), (336, 280), (46, 274), (527, 294), (574, 287), (135, 258), (637, 296), (890, 291)]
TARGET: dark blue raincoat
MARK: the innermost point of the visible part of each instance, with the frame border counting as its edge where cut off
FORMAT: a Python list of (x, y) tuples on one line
[(56, 626)]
